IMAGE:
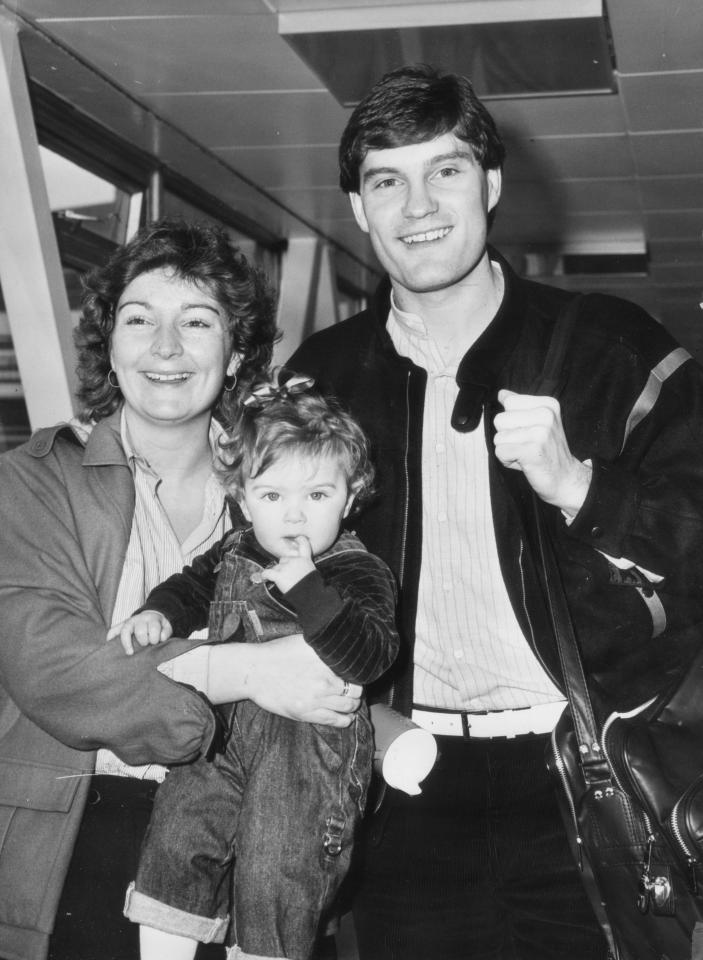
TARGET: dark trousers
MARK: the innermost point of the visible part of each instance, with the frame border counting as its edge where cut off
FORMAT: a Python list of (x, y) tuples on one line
[(477, 867), (89, 923)]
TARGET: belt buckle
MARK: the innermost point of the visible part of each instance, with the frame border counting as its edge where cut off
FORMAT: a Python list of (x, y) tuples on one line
[(504, 716)]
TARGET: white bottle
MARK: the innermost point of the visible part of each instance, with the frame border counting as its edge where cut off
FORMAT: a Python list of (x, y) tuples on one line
[(405, 753)]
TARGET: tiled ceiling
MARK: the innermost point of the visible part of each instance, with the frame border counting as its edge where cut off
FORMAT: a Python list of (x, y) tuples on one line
[(586, 174)]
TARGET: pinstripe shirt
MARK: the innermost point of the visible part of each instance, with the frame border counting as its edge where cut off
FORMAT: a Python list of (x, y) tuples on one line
[(470, 653)]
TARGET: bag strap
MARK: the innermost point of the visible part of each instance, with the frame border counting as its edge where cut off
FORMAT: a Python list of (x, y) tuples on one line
[(585, 726), (550, 381), (549, 384)]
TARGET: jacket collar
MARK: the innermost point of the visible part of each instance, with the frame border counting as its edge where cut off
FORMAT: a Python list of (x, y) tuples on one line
[(481, 366), (479, 371), (104, 445)]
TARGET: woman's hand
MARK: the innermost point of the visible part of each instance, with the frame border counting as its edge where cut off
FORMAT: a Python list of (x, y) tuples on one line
[(284, 676)]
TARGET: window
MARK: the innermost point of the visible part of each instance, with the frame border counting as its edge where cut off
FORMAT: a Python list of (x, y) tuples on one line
[(14, 421)]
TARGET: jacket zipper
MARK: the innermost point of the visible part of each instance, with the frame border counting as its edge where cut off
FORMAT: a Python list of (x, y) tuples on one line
[(559, 762), (523, 595), (403, 546), (406, 507), (406, 480)]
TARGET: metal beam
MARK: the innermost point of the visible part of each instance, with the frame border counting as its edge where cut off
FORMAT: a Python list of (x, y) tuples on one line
[(30, 269), (307, 297)]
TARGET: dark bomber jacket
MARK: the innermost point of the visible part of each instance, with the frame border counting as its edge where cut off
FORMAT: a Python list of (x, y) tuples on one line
[(632, 402), (345, 608)]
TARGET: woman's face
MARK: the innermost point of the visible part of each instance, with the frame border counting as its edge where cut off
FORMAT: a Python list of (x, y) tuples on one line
[(170, 348)]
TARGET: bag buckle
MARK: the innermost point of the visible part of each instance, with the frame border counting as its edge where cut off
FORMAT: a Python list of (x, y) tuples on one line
[(656, 893)]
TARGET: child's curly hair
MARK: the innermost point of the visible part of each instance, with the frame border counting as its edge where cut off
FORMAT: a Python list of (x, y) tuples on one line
[(291, 419)]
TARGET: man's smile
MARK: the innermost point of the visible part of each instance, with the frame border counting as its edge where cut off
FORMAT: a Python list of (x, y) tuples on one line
[(426, 237)]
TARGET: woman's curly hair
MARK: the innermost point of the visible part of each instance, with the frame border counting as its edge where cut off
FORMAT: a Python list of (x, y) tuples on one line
[(199, 253), (274, 422)]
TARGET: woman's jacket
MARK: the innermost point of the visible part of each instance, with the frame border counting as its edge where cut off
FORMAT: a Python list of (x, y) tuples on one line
[(65, 516)]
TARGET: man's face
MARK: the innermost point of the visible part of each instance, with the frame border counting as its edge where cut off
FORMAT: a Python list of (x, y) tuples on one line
[(425, 207)]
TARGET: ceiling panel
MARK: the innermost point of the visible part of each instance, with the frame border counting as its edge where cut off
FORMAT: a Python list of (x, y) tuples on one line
[(672, 193), (560, 116), (147, 55), (585, 195), (689, 252), (286, 166), (57, 10), (654, 36), (683, 225), (263, 118), (597, 229), (674, 274), (323, 203), (668, 101), (570, 157), (667, 154)]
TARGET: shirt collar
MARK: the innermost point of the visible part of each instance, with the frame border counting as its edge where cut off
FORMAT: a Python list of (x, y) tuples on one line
[(412, 324)]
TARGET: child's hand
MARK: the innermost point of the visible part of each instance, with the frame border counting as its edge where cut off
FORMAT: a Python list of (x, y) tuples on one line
[(147, 627), (292, 567)]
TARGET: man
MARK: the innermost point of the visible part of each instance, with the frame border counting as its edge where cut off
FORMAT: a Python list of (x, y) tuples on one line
[(440, 370)]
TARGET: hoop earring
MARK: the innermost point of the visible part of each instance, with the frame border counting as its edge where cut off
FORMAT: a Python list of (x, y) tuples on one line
[(114, 385), (230, 383)]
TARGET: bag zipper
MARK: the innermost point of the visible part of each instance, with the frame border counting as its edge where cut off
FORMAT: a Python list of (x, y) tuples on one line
[(647, 885), (691, 860), (604, 747)]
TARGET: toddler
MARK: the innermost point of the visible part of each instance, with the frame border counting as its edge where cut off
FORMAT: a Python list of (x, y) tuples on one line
[(251, 846)]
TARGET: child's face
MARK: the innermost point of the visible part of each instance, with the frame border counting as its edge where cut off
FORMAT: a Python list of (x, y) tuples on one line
[(297, 496)]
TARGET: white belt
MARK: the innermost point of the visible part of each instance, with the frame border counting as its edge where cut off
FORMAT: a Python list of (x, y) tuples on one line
[(498, 723)]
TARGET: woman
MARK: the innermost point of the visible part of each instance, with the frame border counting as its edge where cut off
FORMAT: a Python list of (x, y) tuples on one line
[(94, 514)]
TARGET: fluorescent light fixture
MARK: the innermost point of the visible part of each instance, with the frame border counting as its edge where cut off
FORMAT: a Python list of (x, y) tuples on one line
[(362, 16), (508, 48)]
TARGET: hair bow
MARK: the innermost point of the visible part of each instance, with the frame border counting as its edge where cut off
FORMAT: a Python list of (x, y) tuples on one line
[(266, 392)]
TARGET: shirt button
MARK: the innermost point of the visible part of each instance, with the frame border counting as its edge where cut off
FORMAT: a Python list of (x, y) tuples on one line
[(597, 533), (447, 587), (442, 517), (439, 447), (459, 654)]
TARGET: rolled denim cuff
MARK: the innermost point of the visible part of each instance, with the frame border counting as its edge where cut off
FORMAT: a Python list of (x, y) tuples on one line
[(142, 909)]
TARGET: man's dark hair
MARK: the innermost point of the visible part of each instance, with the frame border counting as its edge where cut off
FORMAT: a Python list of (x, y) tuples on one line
[(412, 105), (199, 253)]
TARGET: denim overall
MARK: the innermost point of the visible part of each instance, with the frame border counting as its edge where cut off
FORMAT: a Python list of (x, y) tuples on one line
[(268, 824)]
